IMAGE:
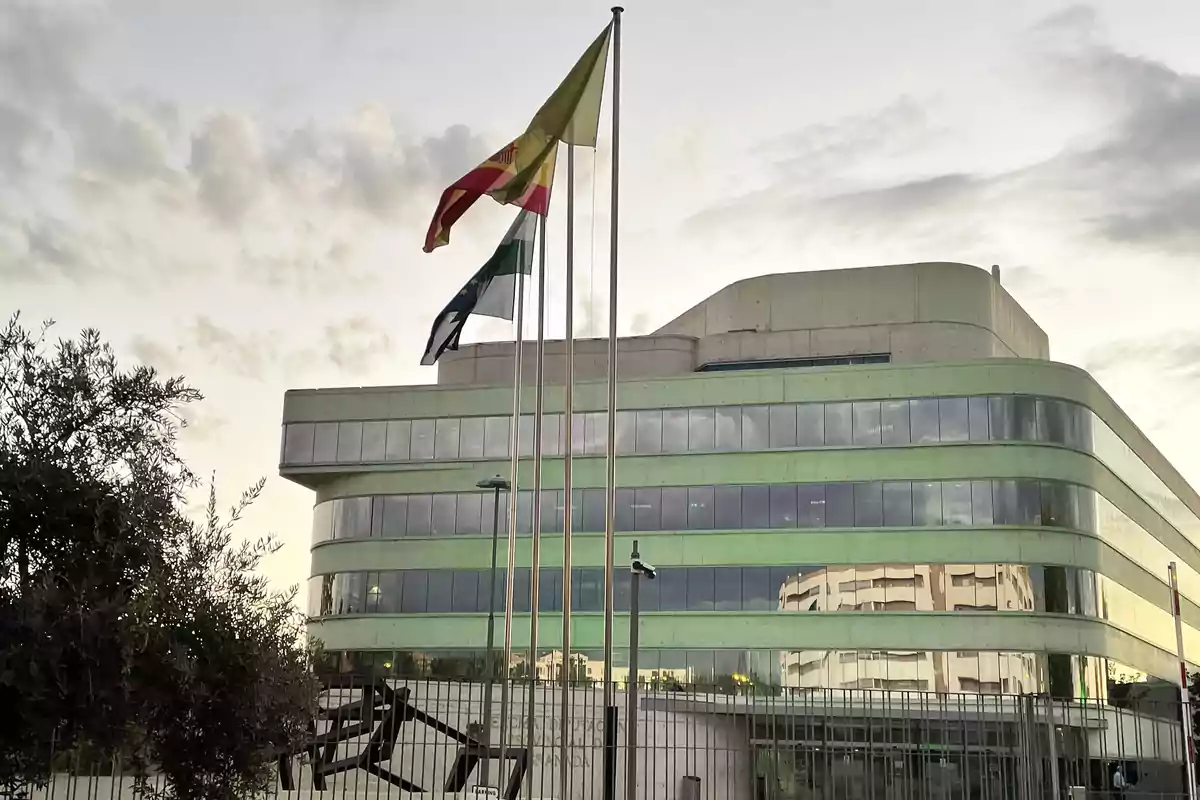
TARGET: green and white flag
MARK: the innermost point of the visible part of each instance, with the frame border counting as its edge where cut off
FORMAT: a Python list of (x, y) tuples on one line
[(492, 291)]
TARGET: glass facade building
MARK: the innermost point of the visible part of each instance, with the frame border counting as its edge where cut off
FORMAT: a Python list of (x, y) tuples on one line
[(945, 514)]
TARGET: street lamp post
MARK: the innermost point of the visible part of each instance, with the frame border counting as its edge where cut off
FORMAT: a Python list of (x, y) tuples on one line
[(497, 485), (639, 569)]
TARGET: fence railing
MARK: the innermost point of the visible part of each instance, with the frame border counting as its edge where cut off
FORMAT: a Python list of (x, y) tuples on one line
[(378, 739)]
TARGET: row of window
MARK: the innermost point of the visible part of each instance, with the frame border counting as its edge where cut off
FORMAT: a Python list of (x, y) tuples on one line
[(967, 671), (865, 504), (903, 587), (867, 423)]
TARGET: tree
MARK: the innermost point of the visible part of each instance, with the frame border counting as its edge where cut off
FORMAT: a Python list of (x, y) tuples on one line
[(128, 629)]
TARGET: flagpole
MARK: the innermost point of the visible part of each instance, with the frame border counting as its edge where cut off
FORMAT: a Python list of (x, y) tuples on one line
[(535, 577), (568, 446), (610, 504), (511, 559)]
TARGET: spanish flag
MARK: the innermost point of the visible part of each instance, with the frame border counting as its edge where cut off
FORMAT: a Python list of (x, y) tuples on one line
[(522, 171)]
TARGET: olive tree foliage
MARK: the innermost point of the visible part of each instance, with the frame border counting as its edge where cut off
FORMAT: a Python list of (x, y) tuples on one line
[(130, 633)]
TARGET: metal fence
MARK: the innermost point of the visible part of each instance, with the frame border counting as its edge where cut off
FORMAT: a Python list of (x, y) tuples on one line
[(395, 738)]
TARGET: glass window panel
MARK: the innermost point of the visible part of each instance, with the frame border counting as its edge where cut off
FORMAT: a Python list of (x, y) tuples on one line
[(552, 511), (626, 502), (727, 508), (589, 588), (758, 591), (395, 515), (552, 434), (374, 441), (727, 588), (1025, 418), (927, 503), (524, 512), (672, 590), (810, 505), (923, 420), (595, 431), (674, 509), (838, 424), (325, 442), (593, 511), (700, 512), (729, 428), (578, 433), (621, 580), (1029, 503), (868, 505), (977, 418), (354, 590), (956, 503), (443, 514), (399, 434), (525, 435), (446, 438), (810, 425), (894, 422), (469, 517), (414, 596), (756, 422), (783, 425), (783, 506), (866, 423), (521, 590), (495, 436), (1001, 418), (465, 599), (422, 439), (981, 503), (1005, 506), (702, 431), (376, 516), (647, 510), (488, 516), (756, 507), (649, 432), (700, 590), (352, 518), (626, 432), (550, 589), (349, 441), (953, 418), (322, 525), (470, 438), (897, 504), (371, 597), (441, 591), (1079, 428), (391, 590), (839, 505), (298, 443), (675, 430), (420, 508)]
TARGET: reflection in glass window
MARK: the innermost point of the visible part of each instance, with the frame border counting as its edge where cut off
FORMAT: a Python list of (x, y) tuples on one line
[(374, 441), (868, 504), (352, 518), (495, 436), (552, 511), (783, 506), (756, 507), (298, 443), (702, 432), (810, 505), (700, 508), (465, 597), (977, 418), (866, 423), (525, 512), (552, 434), (838, 424), (700, 589), (953, 419), (674, 430), (349, 442), (927, 503), (399, 433), (395, 516), (729, 428), (422, 439), (578, 434), (923, 420), (756, 423), (414, 596), (649, 432), (783, 425), (469, 517), (322, 526), (897, 504), (647, 513), (626, 432), (470, 438), (626, 503), (490, 516), (758, 591), (674, 510), (727, 508), (839, 505), (727, 588), (444, 506), (440, 599), (894, 421), (810, 425), (420, 510), (956, 503), (981, 503), (446, 438), (595, 432), (1025, 417), (525, 428), (593, 510), (325, 442)]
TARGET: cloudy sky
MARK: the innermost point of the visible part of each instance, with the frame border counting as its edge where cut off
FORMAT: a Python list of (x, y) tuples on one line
[(237, 191)]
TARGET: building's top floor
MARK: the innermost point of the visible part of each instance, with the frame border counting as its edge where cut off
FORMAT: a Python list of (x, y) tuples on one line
[(906, 313)]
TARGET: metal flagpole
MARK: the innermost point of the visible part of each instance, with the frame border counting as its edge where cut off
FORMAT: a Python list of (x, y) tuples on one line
[(610, 502), (511, 558), (535, 562), (1185, 707), (568, 443)]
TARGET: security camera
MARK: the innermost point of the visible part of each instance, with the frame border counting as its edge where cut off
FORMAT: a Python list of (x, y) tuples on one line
[(640, 567)]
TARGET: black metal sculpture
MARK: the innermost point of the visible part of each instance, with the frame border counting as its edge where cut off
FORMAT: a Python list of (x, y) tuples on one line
[(379, 712)]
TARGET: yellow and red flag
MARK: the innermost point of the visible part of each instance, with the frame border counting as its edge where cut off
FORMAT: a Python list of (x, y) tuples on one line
[(522, 171)]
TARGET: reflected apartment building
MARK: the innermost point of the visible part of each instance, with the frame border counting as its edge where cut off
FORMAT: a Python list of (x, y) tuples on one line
[(862, 478)]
